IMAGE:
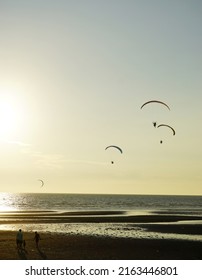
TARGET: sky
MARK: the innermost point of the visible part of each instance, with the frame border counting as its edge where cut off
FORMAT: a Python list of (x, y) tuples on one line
[(73, 78)]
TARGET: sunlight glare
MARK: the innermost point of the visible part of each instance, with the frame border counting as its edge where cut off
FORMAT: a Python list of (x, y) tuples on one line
[(11, 116)]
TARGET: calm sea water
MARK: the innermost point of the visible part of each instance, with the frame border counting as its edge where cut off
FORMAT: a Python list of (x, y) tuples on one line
[(132, 204), (83, 202)]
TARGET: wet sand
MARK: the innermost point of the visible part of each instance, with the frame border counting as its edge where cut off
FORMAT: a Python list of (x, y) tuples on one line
[(89, 217), (78, 247), (55, 246)]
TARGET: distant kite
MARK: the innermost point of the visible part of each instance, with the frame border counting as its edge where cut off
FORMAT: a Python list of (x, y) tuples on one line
[(42, 183)]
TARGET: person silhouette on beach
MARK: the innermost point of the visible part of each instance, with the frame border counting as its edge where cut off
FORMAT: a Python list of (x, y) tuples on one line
[(37, 238), (19, 239)]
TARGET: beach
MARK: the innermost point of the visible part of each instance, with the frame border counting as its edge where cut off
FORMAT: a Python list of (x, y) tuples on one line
[(71, 246), (78, 247)]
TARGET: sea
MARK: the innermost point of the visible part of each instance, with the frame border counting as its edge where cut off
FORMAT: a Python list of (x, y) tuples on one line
[(135, 205)]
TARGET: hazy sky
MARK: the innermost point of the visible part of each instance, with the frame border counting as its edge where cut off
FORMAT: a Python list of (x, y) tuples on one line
[(73, 76)]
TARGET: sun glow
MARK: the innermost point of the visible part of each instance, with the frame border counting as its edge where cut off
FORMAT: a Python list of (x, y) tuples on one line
[(11, 116)]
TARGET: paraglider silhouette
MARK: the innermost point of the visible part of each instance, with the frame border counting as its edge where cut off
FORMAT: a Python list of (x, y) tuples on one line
[(158, 102), (170, 127), (42, 182), (116, 147)]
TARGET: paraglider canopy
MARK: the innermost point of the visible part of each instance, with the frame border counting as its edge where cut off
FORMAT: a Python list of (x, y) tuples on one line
[(113, 146), (42, 182), (168, 127), (155, 101)]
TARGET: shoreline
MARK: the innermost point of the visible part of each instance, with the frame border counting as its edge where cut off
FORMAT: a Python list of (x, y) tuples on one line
[(94, 217), (117, 221)]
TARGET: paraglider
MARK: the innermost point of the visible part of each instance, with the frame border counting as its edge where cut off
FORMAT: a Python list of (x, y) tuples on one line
[(173, 131), (155, 101), (158, 102), (116, 147), (42, 182)]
